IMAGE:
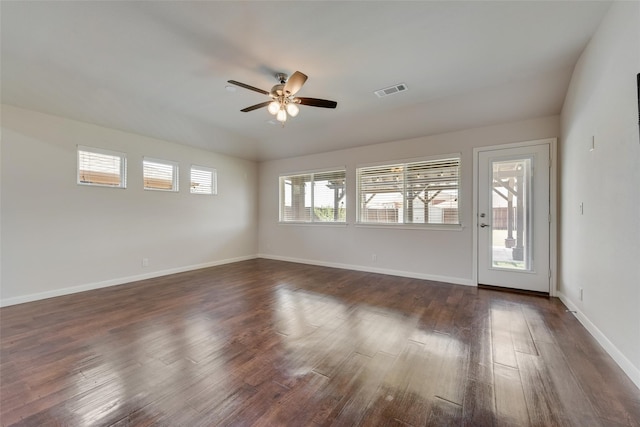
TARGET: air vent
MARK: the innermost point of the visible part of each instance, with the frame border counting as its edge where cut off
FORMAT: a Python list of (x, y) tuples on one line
[(400, 87)]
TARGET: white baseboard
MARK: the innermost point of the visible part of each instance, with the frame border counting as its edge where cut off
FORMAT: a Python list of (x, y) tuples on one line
[(114, 282), (368, 269), (625, 364)]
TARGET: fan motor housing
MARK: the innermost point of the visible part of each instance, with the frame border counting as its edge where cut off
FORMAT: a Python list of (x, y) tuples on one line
[(277, 90)]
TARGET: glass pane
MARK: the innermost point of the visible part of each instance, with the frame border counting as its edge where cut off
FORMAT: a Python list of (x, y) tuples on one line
[(158, 176), (415, 193), (297, 198), (202, 181), (329, 197), (98, 168), (511, 215), (432, 192), (380, 193)]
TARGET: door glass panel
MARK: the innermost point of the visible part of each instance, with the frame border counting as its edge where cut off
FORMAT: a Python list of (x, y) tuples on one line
[(511, 215)]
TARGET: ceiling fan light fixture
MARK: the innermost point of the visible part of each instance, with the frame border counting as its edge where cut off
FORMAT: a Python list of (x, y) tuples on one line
[(283, 101), (273, 107), (292, 109)]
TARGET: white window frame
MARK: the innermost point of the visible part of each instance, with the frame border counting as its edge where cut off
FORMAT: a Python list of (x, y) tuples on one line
[(175, 174), (214, 180), (404, 163), (122, 170), (312, 174)]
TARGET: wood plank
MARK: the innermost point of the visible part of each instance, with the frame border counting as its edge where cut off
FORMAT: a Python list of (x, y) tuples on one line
[(539, 393), (520, 333), (501, 340), (299, 404), (595, 375), (401, 389), (576, 407), (343, 383), (265, 342), (478, 406), (452, 369), (445, 413), (511, 407), (368, 391)]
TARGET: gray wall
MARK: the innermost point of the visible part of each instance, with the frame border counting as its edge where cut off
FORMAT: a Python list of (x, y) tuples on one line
[(60, 237), (600, 249), (438, 254)]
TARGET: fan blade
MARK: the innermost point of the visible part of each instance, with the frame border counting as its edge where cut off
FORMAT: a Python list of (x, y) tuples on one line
[(294, 83), (246, 86), (315, 102), (255, 107)]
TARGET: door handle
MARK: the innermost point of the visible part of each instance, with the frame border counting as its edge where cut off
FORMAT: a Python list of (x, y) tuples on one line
[(483, 225)]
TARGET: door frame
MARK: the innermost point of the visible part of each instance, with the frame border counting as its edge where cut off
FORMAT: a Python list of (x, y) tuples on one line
[(553, 205)]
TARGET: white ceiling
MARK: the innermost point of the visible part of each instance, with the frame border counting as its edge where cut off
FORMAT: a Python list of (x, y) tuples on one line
[(160, 68)]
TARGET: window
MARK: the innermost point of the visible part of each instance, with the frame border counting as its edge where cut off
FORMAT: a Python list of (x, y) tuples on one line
[(313, 197), (203, 180), (424, 192), (160, 174), (101, 167)]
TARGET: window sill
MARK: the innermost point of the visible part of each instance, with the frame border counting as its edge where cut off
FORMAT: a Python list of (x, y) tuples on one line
[(161, 190), (91, 184), (313, 224), (434, 227)]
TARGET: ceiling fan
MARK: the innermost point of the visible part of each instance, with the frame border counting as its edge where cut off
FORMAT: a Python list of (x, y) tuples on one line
[(283, 102)]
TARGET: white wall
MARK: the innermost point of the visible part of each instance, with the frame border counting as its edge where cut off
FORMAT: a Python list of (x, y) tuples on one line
[(600, 249), (424, 253), (60, 237)]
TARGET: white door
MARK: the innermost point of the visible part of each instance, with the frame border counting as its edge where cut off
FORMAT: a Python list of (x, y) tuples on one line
[(513, 217)]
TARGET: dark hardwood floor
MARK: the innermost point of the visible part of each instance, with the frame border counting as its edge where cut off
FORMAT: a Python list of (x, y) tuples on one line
[(270, 343)]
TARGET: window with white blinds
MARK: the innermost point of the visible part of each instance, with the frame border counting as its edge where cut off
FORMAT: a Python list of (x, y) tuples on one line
[(203, 180), (159, 174), (101, 167), (424, 192), (313, 197)]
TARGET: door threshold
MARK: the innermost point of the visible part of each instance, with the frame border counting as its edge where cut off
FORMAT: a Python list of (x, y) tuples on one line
[(514, 290)]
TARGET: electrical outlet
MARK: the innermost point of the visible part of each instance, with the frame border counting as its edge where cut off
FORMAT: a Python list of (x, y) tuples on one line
[(581, 293), (145, 262), (581, 208), (374, 257)]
